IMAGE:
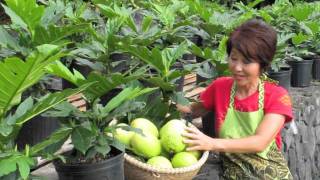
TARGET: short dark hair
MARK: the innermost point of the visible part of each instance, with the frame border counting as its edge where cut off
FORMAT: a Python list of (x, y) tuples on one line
[(255, 40)]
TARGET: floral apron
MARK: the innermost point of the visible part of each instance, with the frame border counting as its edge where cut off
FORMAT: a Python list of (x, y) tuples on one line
[(268, 164)]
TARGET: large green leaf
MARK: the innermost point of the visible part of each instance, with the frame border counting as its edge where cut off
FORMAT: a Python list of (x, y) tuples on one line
[(212, 29), (146, 23), (153, 58), (174, 74), (118, 15), (170, 55), (54, 138), (54, 34), (16, 161), (314, 26), (222, 22), (179, 98), (16, 75), (62, 71), (106, 83), (126, 108), (125, 95), (299, 38), (27, 10), (159, 82), (156, 109), (220, 54), (161, 60), (200, 8), (50, 101), (23, 107), (54, 11), (254, 3), (301, 11), (167, 14), (8, 41), (82, 138), (16, 19), (7, 167), (16, 121)]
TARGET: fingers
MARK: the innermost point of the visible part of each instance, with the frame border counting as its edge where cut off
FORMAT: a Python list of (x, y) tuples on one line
[(190, 141), (192, 129), (189, 135), (194, 148)]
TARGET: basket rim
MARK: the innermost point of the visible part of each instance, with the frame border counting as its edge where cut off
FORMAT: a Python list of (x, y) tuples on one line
[(150, 168)]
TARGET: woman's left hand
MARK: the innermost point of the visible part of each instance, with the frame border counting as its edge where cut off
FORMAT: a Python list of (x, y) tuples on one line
[(196, 140)]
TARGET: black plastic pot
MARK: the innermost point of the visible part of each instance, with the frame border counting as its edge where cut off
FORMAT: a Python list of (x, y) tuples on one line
[(180, 81), (109, 95), (36, 130), (188, 57), (123, 59), (301, 74), (316, 69), (200, 80), (283, 76), (196, 39), (208, 126), (110, 169)]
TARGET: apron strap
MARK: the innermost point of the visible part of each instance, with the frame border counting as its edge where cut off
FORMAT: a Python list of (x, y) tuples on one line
[(261, 94)]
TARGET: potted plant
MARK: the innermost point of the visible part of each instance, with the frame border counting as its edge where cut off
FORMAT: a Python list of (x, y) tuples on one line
[(17, 76), (96, 153), (161, 62), (299, 52), (32, 25), (315, 48), (280, 71), (299, 59)]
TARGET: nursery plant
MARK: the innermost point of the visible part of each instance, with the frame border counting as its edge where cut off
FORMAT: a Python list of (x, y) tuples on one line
[(17, 76), (163, 75), (91, 134), (33, 25)]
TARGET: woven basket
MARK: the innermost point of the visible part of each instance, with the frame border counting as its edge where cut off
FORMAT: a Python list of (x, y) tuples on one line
[(137, 170)]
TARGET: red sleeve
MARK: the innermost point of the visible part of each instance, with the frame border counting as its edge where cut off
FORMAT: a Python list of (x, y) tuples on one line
[(208, 96), (278, 101)]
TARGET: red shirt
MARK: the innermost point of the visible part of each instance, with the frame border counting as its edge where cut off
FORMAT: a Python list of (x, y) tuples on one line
[(216, 97)]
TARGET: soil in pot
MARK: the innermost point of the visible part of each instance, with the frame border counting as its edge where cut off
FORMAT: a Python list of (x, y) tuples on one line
[(107, 169)]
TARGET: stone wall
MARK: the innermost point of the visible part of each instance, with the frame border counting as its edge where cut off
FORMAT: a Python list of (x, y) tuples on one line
[(301, 139)]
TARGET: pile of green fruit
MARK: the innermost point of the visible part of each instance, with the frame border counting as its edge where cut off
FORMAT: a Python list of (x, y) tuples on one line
[(162, 149)]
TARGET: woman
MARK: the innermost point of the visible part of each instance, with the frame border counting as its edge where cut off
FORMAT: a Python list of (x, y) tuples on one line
[(249, 111)]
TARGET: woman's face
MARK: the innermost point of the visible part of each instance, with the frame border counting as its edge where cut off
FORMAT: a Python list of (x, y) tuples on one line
[(243, 71)]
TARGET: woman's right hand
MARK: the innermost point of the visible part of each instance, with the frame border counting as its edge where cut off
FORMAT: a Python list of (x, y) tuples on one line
[(184, 109), (196, 109), (196, 140)]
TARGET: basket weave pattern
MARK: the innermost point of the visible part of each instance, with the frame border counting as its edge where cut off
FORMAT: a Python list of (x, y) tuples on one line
[(137, 170)]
